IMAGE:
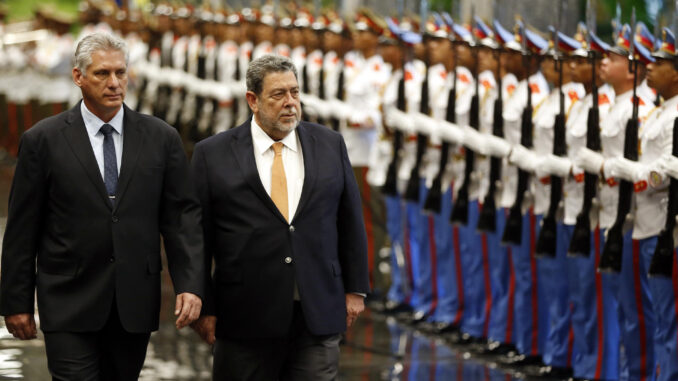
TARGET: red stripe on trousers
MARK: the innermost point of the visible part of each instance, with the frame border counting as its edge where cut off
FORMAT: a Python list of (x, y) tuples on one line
[(511, 298), (434, 264), (367, 216), (675, 286), (535, 297), (639, 307), (460, 279), (570, 342), (488, 285), (408, 256), (600, 312)]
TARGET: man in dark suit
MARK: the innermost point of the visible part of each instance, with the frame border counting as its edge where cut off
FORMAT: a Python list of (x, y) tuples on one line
[(96, 235), (283, 223)]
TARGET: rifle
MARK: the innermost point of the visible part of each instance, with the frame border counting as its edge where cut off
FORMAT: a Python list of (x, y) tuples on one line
[(434, 197), (459, 213), (611, 258), (662, 260), (390, 186), (546, 242), (412, 191), (581, 236), (487, 221), (514, 223)]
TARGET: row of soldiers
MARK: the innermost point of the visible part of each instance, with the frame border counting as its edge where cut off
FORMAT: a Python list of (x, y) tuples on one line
[(503, 170), (512, 138)]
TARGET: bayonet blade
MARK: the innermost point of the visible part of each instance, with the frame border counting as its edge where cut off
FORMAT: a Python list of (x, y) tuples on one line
[(423, 13), (632, 35)]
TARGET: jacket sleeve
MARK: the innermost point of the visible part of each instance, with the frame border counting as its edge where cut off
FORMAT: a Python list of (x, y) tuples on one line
[(202, 187), (22, 235), (352, 239), (180, 223)]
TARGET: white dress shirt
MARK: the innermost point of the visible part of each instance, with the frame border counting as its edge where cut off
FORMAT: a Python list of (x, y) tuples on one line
[(293, 161), (93, 125)]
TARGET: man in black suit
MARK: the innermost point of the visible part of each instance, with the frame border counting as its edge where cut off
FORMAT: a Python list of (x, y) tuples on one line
[(96, 235), (283, 223)]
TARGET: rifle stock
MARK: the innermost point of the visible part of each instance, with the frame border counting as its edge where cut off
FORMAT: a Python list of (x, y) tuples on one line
[(412, 192), (460, 210), (390, 186), (487, 221)]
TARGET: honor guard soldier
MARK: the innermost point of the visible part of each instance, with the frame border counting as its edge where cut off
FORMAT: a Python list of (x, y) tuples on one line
[(520, 230), (594, 322), (636, 318), (365, 76)]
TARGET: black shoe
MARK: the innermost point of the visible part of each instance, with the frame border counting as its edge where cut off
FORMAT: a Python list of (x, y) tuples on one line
[(394, 308), (555, 372), (446, 328), (496, 348), (413, 319), (521, 361), (466, 339)]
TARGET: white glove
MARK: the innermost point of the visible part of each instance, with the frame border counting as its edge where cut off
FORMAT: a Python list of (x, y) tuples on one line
[(497, 147), (424, 124), (399, 120), (669, 165), (311, 104), (523, 158), (590, 160), (626, 169), (450, 132), (340, 109), (474, 140), (556, 165)]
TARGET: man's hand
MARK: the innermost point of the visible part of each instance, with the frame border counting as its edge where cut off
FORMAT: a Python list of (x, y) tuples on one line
[(354, 306), (205, 326), (187, 309), (21, 326)]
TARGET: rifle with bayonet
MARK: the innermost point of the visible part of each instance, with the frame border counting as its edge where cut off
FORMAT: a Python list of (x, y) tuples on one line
[(514, 223), (434, 196), (546, 242), (459, 213), (611, 258), (581, 236), (487, 221), (390, 186)]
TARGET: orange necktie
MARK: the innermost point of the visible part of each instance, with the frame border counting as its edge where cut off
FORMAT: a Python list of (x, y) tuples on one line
[(279, 181)]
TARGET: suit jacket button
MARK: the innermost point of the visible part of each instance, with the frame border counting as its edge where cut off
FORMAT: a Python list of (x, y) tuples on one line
[(292, 229), (111, 259), (114, 219), (288, 260)]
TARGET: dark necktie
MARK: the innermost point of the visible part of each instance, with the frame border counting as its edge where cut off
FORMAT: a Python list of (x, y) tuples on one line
[(110, 162)]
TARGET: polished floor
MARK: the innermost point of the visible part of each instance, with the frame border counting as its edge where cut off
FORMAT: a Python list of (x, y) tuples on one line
[(376, 348)]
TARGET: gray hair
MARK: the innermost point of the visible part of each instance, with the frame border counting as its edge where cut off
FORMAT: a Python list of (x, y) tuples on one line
[(96, 42), (257, 70)]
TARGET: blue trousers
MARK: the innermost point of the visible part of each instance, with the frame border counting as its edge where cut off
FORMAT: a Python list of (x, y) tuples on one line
[(401, 287), (664, 306), (474, 273), (423, 252), (449, 308), (637, 320), (594, 317), (553, 282), (502, 282), (529, 335)]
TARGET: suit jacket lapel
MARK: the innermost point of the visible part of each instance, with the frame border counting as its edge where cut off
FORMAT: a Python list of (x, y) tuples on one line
[(131, 147), (308, 150), (77, 138), (243, 151)]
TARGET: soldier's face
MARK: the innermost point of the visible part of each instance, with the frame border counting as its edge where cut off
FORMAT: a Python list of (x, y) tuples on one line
[(662, 76), (439, 50), (277, 109), (104, 82), (486, 60), (464, 56), (332, 41), (615, 69)]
